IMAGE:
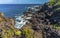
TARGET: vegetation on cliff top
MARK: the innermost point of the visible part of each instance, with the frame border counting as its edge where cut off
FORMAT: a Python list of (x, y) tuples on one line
[(53, 2)]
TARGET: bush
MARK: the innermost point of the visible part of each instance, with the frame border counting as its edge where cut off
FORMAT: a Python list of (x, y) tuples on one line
[(17, 33), (56, 26), (53, 2), (28, 33), (57, 4), (10, 33)]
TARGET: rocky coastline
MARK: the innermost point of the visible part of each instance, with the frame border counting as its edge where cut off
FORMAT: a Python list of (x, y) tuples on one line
[(43, 22)]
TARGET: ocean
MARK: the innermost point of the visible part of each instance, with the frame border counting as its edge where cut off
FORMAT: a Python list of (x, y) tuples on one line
[(10, 10)]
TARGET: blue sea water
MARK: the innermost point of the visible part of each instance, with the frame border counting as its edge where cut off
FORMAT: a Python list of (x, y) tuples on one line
[(10, 10)]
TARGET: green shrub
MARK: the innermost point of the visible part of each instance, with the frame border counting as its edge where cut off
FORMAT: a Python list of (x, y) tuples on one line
[(56, 26), (53, 2), (57, 4), (28, 33), (18, 33)]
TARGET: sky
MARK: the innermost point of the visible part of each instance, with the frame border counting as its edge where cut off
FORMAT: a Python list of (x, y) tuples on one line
[(23, 1)]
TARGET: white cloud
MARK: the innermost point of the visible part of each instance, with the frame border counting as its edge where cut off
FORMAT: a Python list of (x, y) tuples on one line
[(6, 1)]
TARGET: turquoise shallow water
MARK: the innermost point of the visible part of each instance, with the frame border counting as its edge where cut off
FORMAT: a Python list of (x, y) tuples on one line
[(10, 10)]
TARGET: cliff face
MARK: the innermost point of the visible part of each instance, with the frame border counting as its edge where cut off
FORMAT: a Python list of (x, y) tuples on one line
[(5, 23), (44, 15), (6, 20), (43, 20)]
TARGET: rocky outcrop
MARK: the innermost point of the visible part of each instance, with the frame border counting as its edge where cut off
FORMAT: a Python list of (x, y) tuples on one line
[(43, 17), (4, 22)]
